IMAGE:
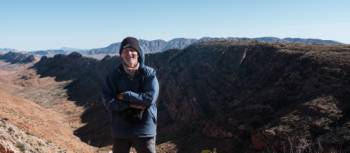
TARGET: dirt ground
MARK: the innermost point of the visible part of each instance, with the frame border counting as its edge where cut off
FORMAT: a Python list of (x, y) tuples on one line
[(39, 106)]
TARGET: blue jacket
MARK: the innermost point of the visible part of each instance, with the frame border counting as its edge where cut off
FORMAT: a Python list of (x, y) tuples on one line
[(141, 90)]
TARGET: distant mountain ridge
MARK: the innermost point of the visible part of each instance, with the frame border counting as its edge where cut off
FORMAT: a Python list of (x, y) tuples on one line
[(297, 40), (15, 57), (53, 52), (152, 46), (5, 50), (160, 45), (49, 53)]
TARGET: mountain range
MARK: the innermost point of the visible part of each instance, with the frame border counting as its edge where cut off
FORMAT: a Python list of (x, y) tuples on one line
[(5, 50), (154, 46)]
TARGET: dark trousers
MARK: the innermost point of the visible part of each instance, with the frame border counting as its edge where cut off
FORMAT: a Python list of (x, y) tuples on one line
[(142, 145)]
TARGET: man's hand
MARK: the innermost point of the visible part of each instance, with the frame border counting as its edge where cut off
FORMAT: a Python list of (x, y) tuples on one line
[(120, 97), (137, 106)]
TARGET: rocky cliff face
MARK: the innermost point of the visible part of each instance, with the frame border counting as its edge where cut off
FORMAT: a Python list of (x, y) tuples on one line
[(243, 91), (234, 96)]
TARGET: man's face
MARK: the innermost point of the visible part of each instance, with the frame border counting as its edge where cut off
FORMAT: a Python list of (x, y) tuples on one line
[(130, 57)]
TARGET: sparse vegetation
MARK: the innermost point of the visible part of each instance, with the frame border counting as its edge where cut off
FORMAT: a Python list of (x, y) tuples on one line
[(21, 146), (301, 145)]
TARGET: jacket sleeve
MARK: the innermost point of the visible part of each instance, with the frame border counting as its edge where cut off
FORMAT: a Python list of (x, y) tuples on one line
[(148, 96), (109, 100)]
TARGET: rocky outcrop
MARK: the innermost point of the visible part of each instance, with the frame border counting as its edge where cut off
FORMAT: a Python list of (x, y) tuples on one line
[(15, 140), (236, 90)]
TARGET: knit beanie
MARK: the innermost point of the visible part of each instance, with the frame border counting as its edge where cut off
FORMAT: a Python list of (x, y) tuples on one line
[(130, 42)]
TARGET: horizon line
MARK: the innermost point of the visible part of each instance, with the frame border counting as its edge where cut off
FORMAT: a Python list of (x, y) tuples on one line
[(167, 40)]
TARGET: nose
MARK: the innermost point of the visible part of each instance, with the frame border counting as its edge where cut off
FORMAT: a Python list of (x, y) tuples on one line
[(132, 54)]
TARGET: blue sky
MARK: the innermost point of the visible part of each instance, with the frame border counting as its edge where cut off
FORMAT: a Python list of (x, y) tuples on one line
[(48, 24)]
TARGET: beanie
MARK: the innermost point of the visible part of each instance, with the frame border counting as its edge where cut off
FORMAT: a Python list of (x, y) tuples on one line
[(130, 42)]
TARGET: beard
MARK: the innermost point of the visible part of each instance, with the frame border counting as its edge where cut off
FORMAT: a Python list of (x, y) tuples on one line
[(132, 63)]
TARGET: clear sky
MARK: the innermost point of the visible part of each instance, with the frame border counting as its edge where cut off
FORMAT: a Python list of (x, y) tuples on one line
[(49, 24)]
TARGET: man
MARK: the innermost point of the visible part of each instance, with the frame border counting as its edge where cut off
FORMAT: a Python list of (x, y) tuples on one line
[(130, 96)]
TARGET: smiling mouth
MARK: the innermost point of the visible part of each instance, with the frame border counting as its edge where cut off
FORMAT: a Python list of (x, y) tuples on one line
[(129, 58)]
